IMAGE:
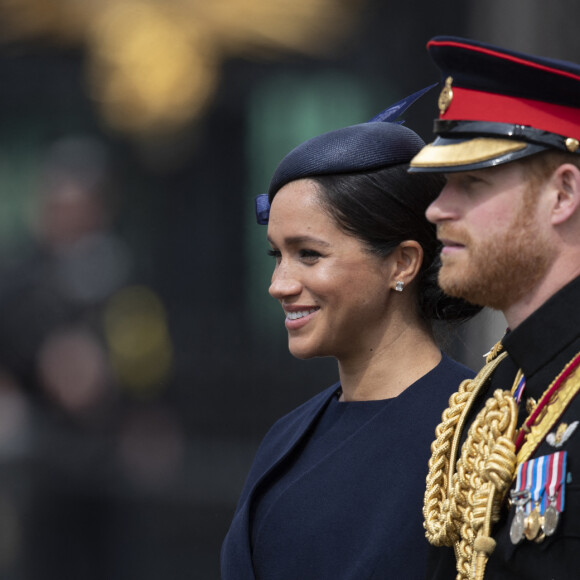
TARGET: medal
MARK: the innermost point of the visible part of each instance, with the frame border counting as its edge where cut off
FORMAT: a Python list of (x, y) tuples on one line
[(519, 499), (538, 497), (532, 524), (517, 527), (551, 518)]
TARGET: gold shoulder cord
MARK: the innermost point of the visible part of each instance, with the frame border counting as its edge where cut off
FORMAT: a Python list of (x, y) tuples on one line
[(463, 501), (552, 410)]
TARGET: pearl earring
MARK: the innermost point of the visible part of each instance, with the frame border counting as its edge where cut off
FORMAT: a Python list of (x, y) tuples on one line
[(399, 286)]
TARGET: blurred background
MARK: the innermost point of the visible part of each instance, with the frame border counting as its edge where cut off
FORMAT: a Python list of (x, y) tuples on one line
[(141, 358)]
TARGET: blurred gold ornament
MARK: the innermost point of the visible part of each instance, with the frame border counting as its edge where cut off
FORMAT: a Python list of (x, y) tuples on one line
[(138, 339), (153, 66), (147, 70)]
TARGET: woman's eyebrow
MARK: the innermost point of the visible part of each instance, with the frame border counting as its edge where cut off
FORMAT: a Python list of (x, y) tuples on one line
[(296, 240)]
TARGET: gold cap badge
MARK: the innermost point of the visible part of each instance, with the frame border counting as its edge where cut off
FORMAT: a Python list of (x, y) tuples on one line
[(446, 96)]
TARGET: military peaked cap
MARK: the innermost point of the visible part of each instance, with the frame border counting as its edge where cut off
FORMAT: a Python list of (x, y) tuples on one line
[(498, 105)]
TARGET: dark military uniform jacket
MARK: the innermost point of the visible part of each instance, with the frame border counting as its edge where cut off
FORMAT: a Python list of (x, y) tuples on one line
[(542, 346)]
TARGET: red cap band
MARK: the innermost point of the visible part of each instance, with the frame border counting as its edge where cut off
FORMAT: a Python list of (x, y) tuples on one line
[(471, 105)]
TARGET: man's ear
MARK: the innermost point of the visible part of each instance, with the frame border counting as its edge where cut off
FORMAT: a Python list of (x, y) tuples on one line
[(406, 261), (566, 180)]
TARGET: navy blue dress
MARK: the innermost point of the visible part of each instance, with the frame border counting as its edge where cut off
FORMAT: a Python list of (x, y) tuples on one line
[(336, 489)]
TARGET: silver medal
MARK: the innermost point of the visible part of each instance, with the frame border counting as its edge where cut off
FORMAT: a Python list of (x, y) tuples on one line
[(550, 522), (517, 527)]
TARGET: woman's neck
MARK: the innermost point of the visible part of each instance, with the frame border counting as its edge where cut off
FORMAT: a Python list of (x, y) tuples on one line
[(388, 369)]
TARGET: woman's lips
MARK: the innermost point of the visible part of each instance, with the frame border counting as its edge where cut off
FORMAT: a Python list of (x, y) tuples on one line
[(297, 317)]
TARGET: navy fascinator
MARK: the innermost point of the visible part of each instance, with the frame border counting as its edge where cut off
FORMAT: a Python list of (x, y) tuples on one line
[(378, 143)]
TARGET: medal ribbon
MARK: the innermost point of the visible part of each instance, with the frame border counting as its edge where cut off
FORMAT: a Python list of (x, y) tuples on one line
[(543, 477), (520, 389), (555, 480)]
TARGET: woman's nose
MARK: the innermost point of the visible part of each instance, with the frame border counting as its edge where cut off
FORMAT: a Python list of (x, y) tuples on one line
[(284, 283)]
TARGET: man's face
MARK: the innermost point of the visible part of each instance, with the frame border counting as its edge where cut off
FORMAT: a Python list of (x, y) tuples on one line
[(494, 248)]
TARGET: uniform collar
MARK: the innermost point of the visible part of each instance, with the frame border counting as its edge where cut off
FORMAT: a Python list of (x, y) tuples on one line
[(546, 332)]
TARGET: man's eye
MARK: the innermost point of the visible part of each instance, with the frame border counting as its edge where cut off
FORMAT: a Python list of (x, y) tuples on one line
[(471, 180), (274, 254)]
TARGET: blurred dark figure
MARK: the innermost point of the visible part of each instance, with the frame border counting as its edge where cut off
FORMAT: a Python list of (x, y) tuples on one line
[(58, 396), (51, 305)]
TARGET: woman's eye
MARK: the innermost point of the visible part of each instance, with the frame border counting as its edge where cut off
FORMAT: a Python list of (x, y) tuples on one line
[(304, 255), (309, 255)]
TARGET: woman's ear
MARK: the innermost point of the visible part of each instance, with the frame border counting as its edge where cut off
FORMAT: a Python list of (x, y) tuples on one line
[(566, 181), (406, 262)]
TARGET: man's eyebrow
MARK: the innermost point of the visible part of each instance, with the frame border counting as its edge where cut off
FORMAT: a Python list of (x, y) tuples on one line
[(296, 240)]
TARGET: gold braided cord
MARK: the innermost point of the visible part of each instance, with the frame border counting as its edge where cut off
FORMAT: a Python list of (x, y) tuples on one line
[(484, 474), (463, 501), (442, 522), (492, 354)]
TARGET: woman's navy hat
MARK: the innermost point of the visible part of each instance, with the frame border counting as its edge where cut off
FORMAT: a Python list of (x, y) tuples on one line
[(379, 143), (499, 105)]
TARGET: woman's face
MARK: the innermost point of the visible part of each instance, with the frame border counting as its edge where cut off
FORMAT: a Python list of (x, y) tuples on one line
[(333, 291)]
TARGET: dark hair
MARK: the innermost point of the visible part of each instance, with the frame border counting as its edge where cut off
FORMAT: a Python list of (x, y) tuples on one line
[(385, 207)]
